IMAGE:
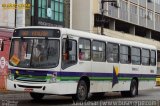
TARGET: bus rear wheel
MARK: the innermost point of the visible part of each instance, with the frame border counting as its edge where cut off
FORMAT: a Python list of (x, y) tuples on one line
[(133, 90), (36, 96), (82, 91)]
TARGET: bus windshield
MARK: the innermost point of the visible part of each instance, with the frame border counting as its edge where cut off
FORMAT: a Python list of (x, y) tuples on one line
[(34, 53)]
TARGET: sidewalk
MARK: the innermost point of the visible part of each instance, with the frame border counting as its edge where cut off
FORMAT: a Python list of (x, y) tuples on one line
[(9, 92), (156, 87)]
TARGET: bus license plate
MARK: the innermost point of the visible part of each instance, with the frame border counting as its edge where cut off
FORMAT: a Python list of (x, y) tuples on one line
[(28, 90)]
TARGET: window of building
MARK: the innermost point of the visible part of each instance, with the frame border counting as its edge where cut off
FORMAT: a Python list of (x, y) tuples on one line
[(84, 49), (145, 57), (157, 18), (69, 53), (115, 4), (150, 1), (112, 52), (32, 7), (43, 8), (157, 2), (50, 9), (153, 57), (136, 56), (150, 15), (98, 51), (133, 9), (142, 12), (124, 5), (125, 54)]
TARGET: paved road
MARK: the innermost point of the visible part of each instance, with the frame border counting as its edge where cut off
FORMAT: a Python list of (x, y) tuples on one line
[(147, 98)]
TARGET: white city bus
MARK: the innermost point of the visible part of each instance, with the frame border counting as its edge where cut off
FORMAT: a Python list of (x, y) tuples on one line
[(49, 60)]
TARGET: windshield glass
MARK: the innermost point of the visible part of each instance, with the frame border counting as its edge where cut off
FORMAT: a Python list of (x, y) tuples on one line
[(34, 53)]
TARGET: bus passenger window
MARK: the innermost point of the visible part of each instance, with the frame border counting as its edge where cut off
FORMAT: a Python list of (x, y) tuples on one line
[(125, 54), (98, 51), (69, 53), (84, 49), (153, 57), (81, 54), (112, 52), (136, 56), (145, 57)]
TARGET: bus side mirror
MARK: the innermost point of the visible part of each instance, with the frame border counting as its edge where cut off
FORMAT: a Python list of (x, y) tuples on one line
[(1, 45), (68, 45)]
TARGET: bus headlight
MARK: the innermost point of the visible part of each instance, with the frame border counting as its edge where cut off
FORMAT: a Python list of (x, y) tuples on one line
[(10, 76), (52, 77)]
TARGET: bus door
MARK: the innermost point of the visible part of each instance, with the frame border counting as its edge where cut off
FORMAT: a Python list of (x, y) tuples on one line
[(70, 65)]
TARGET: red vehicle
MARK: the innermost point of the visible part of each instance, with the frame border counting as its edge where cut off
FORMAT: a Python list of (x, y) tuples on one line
[(4, 56)]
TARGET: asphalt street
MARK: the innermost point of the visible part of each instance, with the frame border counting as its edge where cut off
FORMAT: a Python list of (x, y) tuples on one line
[(145, 98)]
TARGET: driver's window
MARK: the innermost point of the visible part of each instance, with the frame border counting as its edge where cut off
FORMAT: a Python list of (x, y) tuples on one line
[(69, 53)]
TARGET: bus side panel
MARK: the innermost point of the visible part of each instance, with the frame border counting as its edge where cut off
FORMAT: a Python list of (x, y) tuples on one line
[(102, 82), (150, 81)]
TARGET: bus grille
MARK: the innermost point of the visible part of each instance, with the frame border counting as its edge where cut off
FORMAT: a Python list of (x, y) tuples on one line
[(31, 79), (25, 86)]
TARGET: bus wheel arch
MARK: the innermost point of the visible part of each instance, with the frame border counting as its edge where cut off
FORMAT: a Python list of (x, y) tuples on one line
[(83, 88), (133, 91)]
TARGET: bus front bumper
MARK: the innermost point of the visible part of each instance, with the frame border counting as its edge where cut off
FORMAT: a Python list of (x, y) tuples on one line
[(59, 88)]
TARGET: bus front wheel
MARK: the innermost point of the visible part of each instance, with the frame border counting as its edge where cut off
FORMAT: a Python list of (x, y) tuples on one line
[(36, 96), (82, 91), (133, 90)]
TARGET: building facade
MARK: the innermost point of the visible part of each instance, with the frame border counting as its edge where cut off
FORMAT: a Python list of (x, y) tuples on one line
[(136, 17), (135, 20), (50, 13)]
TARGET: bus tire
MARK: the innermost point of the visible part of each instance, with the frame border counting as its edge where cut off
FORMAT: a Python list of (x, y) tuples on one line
[(133, 90), (36, 96), (82, 91)]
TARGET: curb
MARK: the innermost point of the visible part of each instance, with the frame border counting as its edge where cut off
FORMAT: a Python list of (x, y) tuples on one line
[(156, 87), (11, 92)]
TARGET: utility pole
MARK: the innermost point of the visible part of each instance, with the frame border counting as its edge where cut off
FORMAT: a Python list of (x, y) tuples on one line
[(15, 20), (102, 13)]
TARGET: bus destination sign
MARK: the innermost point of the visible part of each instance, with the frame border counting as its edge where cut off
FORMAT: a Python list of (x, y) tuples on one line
[(37, 33)]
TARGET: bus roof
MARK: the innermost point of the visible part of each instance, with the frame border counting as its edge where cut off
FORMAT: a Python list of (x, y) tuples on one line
[(95, 36)]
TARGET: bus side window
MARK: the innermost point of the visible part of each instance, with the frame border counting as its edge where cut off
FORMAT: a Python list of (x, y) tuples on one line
[(84, 49), (69, 53), (153, 57), (112, 53), (125, 57), (145, 57), (136, 56), (98, 51)]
